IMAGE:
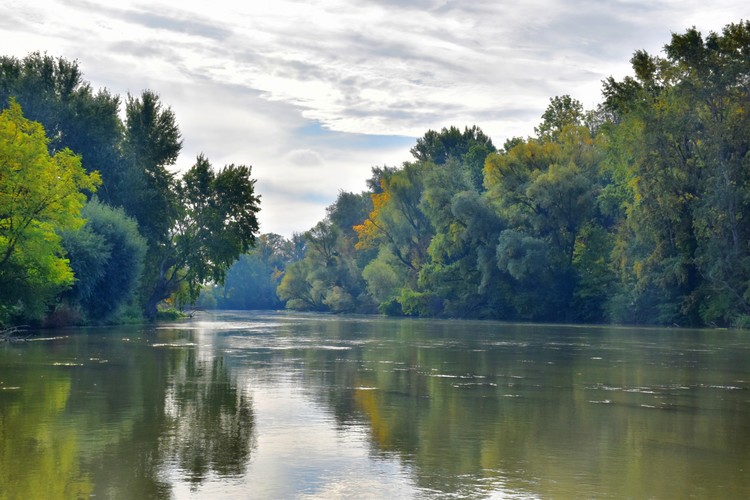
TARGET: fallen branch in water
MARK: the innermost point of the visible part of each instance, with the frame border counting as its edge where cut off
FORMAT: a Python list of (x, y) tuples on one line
[(12, 333)]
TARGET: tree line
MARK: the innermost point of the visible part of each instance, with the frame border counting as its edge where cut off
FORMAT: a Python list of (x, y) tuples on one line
[(637, 211), (632, 212), (95, 226)]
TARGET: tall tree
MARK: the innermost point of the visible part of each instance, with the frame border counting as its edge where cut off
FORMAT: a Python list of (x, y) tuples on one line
[(561, 112), (153, 144), (54, 93), (468, 148), (685, 118), (215, 223), (546, 189)]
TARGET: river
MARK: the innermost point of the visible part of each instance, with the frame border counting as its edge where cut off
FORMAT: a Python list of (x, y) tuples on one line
[(285, 405)]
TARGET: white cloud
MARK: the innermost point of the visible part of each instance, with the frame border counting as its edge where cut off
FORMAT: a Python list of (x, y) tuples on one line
[(248, 81)]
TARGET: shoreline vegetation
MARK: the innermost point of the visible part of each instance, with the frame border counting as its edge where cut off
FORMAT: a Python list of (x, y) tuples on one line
[(634, 212)]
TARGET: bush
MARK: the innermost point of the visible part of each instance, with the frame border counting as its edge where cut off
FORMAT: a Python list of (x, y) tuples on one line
[(106, 255)]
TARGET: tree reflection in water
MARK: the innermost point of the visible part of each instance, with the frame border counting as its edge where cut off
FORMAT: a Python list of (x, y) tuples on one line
[(118, 414), (210, 421)]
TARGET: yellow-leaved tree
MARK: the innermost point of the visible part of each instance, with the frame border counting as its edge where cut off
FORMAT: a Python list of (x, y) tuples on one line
[(40, 195)]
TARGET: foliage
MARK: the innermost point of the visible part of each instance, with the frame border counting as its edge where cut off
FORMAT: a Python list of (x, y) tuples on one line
[(215, 223), (252, 281), (152, 145), (684, 118), (40, 195), (635, 211), (53, 92), (107, 257), (329, 277), (187, 243)]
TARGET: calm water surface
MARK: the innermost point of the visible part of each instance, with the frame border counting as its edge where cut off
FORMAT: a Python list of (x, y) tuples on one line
[(280, 405)]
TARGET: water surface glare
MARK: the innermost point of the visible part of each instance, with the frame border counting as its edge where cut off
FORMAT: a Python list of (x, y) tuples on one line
[(282, 405)]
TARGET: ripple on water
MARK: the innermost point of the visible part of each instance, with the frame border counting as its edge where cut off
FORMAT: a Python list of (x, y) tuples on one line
[(175, 344)]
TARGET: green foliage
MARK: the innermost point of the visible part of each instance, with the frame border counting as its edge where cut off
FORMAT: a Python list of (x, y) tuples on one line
[(53, 92), (742, 321), (468, 148), (383, 278), (252, 281), (682, 150), (215, 223), (635, 211), (40, 195), (329, 278), (300, 287), (107, 256), (414, 303), (561, 112), (194, 227), (152, 144), (632, 212)]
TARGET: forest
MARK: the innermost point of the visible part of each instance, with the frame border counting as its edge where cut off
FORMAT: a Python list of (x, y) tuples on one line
[(94, 227), (632, 212)]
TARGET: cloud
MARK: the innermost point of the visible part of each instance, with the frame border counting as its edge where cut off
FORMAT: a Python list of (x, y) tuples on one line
[(179, 24), (304, 157), (312, 94)]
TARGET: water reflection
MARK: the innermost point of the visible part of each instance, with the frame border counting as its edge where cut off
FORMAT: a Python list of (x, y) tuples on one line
[(476, 409), (113, 413), (308, 406)]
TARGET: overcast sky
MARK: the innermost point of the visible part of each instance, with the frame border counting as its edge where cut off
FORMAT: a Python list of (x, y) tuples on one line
[(313, 94)]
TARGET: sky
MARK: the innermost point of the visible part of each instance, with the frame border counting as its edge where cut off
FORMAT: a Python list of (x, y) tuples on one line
[(313, 94)]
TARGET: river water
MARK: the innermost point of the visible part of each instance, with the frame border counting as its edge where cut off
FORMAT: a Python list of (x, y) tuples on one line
[(283, 405)]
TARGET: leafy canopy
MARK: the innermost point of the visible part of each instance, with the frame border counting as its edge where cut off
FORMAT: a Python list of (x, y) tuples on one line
[(40, 195)]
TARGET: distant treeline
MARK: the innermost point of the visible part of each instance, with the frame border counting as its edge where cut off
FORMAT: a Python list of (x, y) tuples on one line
[(635, 212), (93, 225)]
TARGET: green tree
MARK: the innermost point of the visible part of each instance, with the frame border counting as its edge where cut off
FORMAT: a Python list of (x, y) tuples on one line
[(215, 223), (251, 282), (684, 116), (547, 191), (561, 112), (40, 195), (329, 277), (54, 93), (301, 287), (468, 148), (397, 220), (107, 256), (152, 144)]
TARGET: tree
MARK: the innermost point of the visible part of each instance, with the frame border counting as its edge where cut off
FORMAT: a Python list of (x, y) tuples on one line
[(397, 219), (54, 93), (152, 144), (39, 196), (107, 256), (185, 246), (349, 210), (300, 287), (714, 74), (561, 112), (251, 282), (685, 121), (546, 190), (468, 148), (216, 222)]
